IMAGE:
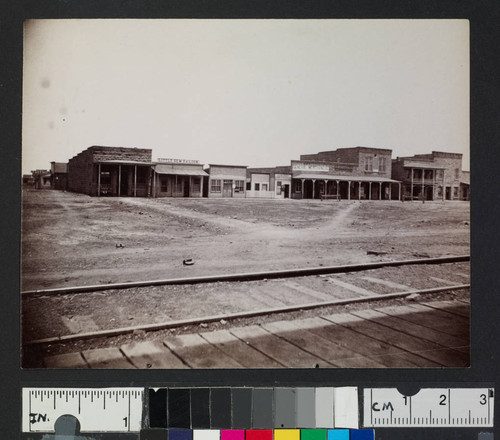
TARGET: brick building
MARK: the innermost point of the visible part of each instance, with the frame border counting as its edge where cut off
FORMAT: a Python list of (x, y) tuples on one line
[(114, 171), (434, 176), (59, 175), (226, 181), (359, 173)]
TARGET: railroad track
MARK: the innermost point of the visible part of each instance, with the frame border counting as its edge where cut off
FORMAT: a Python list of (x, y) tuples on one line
[(86, 312)]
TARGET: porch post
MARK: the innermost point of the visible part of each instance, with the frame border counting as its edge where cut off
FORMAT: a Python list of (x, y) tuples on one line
[(359, 190), (119, 179), (337, 189), (153, 190), (302, 193), (399, 190), (201, 186), (175, 187), (325, 189), (348, 190), (135, 180), (314, 181), (190, 186), (369, 190), (98, 180), (380, 191), (423, 185), (411, 185)]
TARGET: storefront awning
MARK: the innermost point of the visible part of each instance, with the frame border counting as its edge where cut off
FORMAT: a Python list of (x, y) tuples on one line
[(345, 178), (167, 169)]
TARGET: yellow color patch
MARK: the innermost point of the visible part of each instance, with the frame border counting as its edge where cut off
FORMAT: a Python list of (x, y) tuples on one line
[(287, 434)]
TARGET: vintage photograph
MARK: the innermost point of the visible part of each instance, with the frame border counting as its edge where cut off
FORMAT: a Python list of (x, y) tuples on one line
[(245, 194)]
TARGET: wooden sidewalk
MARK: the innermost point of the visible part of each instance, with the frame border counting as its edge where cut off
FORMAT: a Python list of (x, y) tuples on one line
[(432, 334)]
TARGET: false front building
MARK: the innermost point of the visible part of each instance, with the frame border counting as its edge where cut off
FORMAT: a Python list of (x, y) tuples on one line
[(226, 181), (178, 178), (357, 173)]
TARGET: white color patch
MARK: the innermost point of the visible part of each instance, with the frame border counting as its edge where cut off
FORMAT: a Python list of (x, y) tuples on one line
[(346, 407)]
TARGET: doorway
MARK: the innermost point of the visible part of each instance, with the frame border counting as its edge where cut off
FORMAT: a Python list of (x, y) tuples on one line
[(227, 189)]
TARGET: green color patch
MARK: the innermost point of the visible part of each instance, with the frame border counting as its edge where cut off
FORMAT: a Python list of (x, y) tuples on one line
[(313, 434)]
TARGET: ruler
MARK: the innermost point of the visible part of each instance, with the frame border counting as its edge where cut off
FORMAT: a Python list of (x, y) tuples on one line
[(430, 407), (97, 409)]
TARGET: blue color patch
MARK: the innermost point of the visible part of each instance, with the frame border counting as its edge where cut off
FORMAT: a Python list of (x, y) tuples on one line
[(338, 434), (362, 434), (180, 434)]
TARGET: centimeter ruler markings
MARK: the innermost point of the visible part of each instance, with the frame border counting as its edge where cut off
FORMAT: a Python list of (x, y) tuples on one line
[(430, 407), (97, 409)]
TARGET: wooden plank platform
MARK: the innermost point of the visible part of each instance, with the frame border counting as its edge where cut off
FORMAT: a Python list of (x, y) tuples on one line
[(432, 334), (198, 353), (151, 354), (279, 349), (318, 346), (106, 358), (416, 345), (243, 353)]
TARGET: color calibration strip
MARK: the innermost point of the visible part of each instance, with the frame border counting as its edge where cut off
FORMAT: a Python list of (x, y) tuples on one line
[(257, 434), (256, 408)]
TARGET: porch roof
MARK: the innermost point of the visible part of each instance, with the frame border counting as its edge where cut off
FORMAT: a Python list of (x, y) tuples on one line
[(345, 178), (166, 169)]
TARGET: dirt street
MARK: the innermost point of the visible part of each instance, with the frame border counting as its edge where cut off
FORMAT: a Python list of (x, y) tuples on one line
[(73, 239)]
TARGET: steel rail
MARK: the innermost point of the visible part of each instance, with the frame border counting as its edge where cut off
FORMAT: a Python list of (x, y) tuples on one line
[(236, 315), (249, 276)]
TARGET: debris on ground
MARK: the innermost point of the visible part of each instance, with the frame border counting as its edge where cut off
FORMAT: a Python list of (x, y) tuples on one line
[(421, 255), (376, 252)]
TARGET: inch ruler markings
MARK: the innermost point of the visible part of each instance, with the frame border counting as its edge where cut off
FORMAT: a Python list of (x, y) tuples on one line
[(430, 407), (97, 409)]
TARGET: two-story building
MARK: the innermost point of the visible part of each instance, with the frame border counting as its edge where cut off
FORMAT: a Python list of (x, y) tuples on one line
[(357, 173), (434, 176)]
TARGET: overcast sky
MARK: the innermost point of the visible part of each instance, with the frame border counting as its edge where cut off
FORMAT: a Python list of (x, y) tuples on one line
[(247, 92)]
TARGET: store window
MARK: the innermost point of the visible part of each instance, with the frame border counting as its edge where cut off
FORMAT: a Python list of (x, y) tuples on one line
[(215, 186), (264, 187), (298, 186), (257, 187), (239, 186)]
